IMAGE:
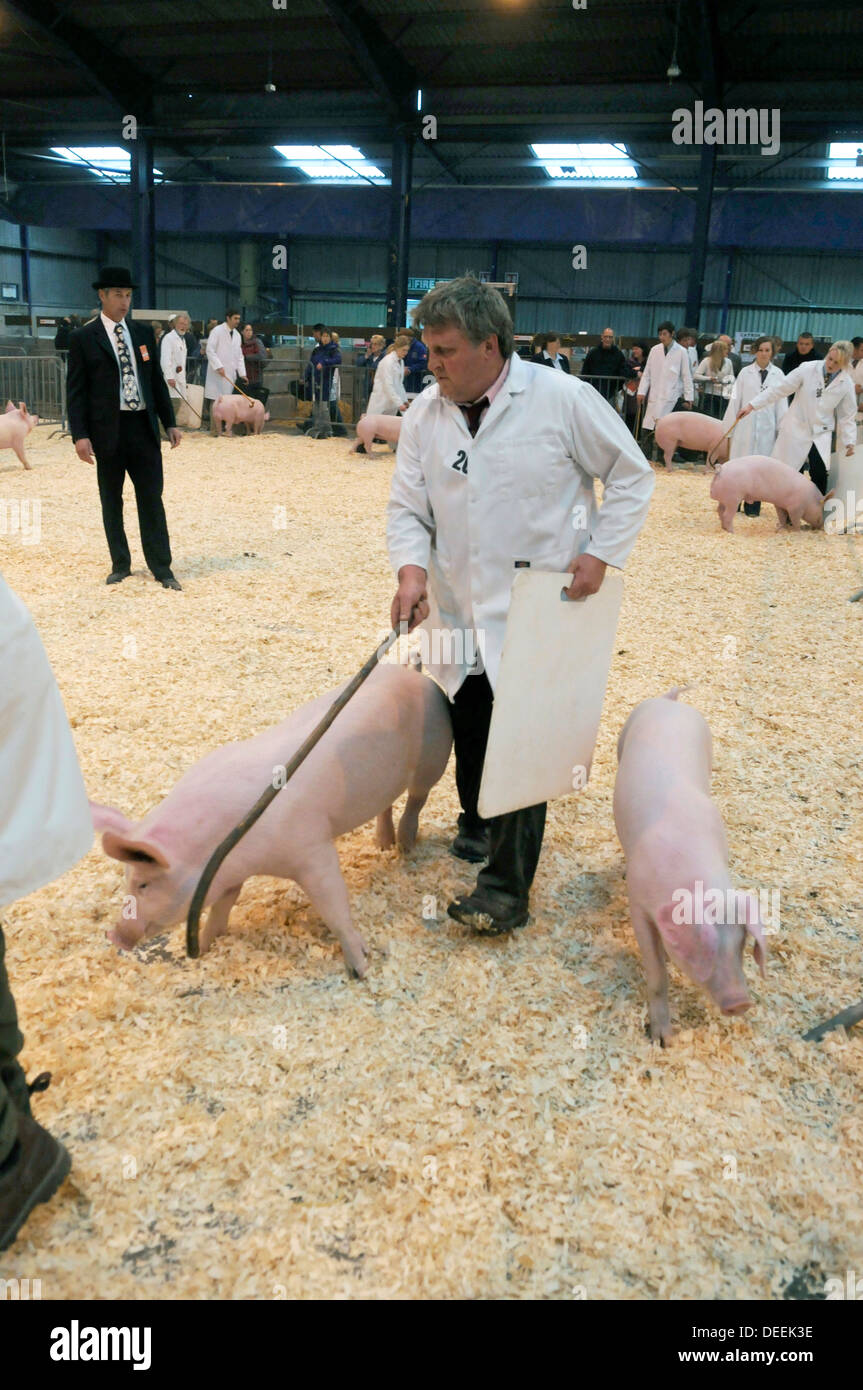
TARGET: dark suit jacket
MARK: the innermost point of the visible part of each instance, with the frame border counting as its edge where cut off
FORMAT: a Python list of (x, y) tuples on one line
[(543, 361), (93, 385)]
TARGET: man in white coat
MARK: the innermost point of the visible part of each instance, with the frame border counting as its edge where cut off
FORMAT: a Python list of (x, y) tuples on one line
[(666, 378), (823, 396), (45, 828), (173, 353), (757, 433), (225, 362), (495, 462)]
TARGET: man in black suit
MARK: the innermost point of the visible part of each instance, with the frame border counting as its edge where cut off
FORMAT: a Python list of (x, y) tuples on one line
[(116, 396)]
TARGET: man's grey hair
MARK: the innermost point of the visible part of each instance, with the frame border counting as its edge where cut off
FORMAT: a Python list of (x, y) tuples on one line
[(475, 309)]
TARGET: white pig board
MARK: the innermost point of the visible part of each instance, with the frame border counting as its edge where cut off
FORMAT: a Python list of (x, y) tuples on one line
[(845, 512), (549, 693), (188, 419)]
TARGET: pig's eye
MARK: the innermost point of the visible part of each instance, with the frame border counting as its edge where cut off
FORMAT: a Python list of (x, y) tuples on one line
[(141, 887)]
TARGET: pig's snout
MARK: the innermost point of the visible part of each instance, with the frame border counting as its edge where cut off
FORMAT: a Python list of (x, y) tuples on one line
[(735, 1006), (126, 935)]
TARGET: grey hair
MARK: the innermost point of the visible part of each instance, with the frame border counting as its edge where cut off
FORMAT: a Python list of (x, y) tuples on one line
[(475, 309)]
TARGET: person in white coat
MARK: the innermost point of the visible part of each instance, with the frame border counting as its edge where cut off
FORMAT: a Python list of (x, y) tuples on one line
[(717, 374), (824, 396), (389, 396), (45, 828), (757, 433), (494, 472), (173, 353), (225, 361), (665, 379)]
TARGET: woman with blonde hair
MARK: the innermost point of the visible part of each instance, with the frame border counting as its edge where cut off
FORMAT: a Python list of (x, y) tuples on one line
[(388, 391), (824, 396), (716, 371)]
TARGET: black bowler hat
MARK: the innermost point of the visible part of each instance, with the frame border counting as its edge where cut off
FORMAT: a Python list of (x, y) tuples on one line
[(114, 277)]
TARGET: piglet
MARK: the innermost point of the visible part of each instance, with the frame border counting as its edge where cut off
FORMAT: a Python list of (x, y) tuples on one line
[(233, 410), (690, 430), (394, 734), (386, 427), (680, 893), (757, 478), (15, 425)]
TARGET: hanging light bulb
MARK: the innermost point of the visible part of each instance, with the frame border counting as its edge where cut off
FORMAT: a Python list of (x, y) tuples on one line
[(673, 69)]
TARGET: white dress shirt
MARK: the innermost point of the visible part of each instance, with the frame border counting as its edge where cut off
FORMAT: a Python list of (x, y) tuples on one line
[(470, 511), (109, 326)]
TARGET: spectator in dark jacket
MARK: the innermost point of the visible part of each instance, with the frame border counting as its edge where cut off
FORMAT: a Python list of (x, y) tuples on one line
[(255, 358), (370, 359), (805, 351), (61, 337), (550, 355), (322, 367), (416, 366), (607, 364)]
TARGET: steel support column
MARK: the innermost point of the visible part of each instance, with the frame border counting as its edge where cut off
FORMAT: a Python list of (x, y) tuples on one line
[(701, 234), (398, 252), (143, 222)]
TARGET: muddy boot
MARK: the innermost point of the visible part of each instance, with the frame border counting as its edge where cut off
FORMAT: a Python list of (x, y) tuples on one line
[(31, 1174)]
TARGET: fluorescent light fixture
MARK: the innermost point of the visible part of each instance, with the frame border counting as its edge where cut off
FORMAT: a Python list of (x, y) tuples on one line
[(104, 160), (585, 161), (331, 162), (846, 171), (419, 99)]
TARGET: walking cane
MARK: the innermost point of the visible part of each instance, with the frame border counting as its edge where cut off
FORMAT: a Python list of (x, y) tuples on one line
[(717, 447), (187, 402), (846, 1019), (221, 852)]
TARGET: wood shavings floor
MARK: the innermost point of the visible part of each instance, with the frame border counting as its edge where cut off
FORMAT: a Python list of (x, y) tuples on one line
[(479, 1119)]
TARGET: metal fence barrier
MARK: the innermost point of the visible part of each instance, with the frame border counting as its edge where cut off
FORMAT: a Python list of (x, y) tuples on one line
[(38, 381)]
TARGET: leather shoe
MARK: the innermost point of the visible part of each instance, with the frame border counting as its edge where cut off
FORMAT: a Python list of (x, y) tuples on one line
[(41, 1165), (471, 845), (170, 583), (488, 918), (116, 576)]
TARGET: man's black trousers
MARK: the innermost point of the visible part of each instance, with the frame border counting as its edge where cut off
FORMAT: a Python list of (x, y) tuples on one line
[(515, 840), (139, 455)]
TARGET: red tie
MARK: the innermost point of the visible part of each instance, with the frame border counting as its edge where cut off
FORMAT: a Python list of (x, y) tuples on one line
[(473, 413)]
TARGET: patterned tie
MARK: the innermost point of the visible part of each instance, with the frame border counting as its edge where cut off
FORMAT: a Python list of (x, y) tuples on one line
[(130, 386), (763, 375), (473, 413)]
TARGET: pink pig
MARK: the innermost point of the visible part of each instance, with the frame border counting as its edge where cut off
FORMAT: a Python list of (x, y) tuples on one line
[(386, 427), (758, 478), (237, 410), (680, 892), (394, 734), (15, 425), (691, 430)]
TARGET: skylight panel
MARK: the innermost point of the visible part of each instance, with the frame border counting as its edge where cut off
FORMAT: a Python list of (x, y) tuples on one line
[(108, 161), (331, 162), (851, 157), (585, 161)]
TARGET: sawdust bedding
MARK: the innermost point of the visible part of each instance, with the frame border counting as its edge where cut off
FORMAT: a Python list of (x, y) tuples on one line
[(479, 1119)]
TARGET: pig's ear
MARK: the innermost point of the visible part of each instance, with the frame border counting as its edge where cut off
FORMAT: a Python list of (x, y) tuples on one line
[(132, 849), (694, 946), (9, 406), (109, 818), (752, 919), (826, 498), (22, 409)]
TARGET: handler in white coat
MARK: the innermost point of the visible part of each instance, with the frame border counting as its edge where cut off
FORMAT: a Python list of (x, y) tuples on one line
[(480, 490), (225, 362), (756, 434), (45, 828), (823, 396), (389, 396), (666, 377), (173, 353)]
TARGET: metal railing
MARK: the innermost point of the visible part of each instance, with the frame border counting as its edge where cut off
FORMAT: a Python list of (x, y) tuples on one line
[(38, 381)]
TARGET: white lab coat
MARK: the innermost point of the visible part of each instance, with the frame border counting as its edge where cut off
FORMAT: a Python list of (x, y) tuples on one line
[(45, 824), (530, 472), (173, 352), (857, 377), (224, 349), (666, 377), (388, 387), (757, 433), (812, 413)]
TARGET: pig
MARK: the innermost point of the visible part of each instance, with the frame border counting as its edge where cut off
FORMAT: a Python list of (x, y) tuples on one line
[(758, 478), (15, 425), (674, 842), (691, 430), (394, 734), (233, 410), (386, 427)]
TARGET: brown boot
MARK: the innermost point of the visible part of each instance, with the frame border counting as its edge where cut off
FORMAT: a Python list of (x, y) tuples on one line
[(33, 1177)]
